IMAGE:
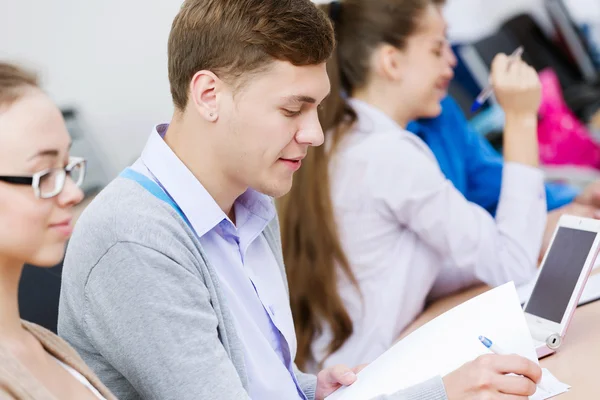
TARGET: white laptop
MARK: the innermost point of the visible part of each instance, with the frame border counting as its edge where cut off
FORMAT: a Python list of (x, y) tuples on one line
[(561, 280)]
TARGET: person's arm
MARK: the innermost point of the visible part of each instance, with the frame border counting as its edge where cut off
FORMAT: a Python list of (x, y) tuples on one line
[(484, 165), (486, 377), (484, 176), (518, 90), (464, 235), (153, 321)]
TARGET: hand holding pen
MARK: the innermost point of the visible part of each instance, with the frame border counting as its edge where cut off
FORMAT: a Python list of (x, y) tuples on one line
[(494, 348), (493, 376), (489, 89), (518, 91), (515, 84)]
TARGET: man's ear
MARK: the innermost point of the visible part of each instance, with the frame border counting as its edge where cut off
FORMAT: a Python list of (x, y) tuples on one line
[(389, 62), (205, 88)]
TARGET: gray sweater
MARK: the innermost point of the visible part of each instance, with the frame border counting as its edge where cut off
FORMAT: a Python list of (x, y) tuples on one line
[(142, 305)]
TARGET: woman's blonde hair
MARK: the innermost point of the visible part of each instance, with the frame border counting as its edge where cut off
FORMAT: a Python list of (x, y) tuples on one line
[(14, 81)]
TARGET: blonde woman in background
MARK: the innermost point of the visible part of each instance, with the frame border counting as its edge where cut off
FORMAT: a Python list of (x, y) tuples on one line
[(39, 185)]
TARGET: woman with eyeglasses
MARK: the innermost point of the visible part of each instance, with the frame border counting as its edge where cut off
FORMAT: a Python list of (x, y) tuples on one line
[(39, 185)]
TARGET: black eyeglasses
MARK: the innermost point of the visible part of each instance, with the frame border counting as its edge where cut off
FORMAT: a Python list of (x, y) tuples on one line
[(50, 182)]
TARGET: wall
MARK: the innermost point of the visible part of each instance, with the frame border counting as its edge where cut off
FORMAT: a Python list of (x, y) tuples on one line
[(473, 19), (107, 58)]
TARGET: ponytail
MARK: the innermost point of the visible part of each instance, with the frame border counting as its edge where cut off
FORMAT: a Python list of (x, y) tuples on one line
[(312, 249)]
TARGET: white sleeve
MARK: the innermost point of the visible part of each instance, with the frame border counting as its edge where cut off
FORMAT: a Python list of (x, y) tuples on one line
[(411, 185)]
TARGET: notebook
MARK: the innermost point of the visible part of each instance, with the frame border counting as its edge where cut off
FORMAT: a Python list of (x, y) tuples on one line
[(448, 342)]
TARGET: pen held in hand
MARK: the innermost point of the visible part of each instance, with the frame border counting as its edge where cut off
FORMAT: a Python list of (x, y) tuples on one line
[(494, 348), (487, 92)]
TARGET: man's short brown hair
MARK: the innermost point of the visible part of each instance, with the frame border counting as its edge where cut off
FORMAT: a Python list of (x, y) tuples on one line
[(233, 38), (13, 83)]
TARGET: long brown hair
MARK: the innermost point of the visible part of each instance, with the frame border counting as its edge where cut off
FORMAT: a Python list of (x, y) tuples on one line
[(313, 252)]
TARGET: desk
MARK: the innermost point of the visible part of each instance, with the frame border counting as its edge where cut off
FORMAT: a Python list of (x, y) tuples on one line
[(576, 363)]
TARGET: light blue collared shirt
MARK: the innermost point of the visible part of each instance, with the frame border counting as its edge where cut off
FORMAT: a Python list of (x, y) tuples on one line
[(246, 266)]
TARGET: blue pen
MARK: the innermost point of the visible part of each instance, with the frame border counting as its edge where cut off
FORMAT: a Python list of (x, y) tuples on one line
[(487, 92), (494, 348)]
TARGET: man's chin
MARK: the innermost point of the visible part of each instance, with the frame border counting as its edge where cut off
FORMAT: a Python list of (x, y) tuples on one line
[(277, 189)]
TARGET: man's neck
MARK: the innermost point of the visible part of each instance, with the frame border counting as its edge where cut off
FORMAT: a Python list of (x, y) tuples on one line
[(10, 320), (186, 141)]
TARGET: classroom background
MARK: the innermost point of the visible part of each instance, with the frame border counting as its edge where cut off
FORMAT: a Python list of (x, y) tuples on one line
[(104, 63)]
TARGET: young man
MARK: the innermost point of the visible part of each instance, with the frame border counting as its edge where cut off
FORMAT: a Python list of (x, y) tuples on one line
[(173, 285)]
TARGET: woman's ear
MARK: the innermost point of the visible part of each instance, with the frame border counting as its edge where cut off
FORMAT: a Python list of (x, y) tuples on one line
[(389, 62), (205, 89)]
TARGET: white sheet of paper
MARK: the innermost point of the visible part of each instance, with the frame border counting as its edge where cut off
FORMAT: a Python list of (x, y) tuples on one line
[(446, 343), (553, 385)]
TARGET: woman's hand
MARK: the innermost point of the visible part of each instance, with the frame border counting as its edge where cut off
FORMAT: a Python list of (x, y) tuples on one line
[(518, 90), (516, 86)]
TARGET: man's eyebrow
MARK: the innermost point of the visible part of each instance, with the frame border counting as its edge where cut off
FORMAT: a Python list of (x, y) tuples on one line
[(302, 99)]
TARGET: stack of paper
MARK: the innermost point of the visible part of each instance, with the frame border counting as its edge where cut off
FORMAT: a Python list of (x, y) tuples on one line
[(446, 343)]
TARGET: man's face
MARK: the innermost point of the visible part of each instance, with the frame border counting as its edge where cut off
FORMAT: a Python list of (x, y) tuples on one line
[(270, 123)]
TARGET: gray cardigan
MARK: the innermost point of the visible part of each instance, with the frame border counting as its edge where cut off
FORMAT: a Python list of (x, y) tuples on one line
[(143, 307)]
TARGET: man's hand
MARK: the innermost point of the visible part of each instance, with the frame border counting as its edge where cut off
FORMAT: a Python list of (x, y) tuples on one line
[(487, 378), (331, 379), (590, 195)]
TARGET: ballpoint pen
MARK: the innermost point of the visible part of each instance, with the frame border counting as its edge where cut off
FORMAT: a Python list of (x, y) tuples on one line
[(494, 348), (487, 92)]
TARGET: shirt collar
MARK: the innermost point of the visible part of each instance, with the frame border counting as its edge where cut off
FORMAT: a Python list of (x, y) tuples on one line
[(181, 185), (371, 119)]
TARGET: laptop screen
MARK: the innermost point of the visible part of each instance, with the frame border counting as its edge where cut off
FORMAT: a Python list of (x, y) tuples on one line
[(560, 273)]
